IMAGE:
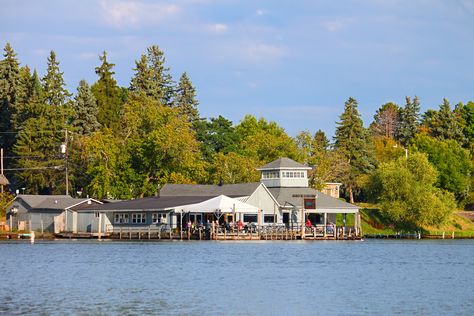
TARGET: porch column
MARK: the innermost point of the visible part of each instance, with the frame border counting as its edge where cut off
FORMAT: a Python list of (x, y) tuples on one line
[(303, 232), (325, 222), (99, 229)]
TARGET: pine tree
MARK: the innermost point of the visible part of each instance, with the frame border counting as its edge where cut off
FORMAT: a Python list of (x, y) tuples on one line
[(54, 91), (153, 78), (351, 141), (85, 110), (108, 95), (30, 103), (409, 120), (386, 120), (186, 101), (445, 125), (320, 141), (9, 90)]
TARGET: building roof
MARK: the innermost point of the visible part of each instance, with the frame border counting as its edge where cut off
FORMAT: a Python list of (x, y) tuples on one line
[(149, 203), (230, 190), (3, 180), (53, 202), (284, 163), (286, 197)]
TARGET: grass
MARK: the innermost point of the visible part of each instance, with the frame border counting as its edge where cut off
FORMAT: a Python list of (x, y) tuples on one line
[(373, 222)]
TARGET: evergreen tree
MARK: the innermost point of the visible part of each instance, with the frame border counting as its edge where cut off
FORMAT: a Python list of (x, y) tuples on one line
[(467, 112), (321, 142), (152, 77), (351, 141), (186, 101), (108, 95), (85, 110), (162, 79), (409, 119), (54, 91), (38, 145), (9, 90), (445, 124), (386, 120), (30, 104)]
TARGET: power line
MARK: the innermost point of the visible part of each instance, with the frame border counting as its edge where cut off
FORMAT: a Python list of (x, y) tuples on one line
[(34, 168)]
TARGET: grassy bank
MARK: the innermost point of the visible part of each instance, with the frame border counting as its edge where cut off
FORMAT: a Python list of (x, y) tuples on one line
[(373, 222)]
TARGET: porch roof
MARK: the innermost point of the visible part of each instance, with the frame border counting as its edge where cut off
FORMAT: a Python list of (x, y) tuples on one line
[(149, 203)]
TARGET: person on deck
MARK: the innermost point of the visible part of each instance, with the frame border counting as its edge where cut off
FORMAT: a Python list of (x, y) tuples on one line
[(308, 223), (240, 225)]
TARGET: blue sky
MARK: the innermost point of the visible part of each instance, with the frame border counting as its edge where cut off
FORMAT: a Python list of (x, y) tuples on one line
[(294, 62)]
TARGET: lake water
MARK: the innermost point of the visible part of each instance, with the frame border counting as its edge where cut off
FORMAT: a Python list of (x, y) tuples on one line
[(381, 277)]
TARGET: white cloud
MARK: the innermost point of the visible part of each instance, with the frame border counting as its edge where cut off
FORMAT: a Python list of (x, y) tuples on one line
[(218, 28), (337, 24), (135, 13), (262, 52), (260, 12)]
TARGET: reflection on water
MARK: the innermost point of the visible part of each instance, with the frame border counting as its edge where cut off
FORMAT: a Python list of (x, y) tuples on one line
[(238, 278)]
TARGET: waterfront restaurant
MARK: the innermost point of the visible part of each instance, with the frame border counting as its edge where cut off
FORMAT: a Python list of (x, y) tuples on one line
[(282, 198)]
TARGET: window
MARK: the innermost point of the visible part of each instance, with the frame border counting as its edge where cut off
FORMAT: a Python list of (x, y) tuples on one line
[(120, 218), (138, 218), (158, 218), (250, 218), (269, 218)]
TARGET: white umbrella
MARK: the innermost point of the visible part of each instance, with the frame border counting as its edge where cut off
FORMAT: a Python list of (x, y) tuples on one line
[(220, 204)]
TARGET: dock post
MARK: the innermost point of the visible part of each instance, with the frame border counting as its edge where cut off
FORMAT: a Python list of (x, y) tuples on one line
[(120, 233), (148, 232), (452, 236), (443, 235), (325, 224), (100, 226)]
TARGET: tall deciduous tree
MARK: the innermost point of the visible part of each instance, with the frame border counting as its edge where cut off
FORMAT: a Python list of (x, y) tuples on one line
[(409, 121), (406, 193), (216, 136), (185, 99), (54, 91), (108, 95), (450, 160), (386, 120), (85, 110), (351, 141)]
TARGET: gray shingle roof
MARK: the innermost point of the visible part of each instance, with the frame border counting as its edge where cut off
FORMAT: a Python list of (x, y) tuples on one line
[(284, 163), (231, 190), (149, 203), (284, 196), (54, 202)]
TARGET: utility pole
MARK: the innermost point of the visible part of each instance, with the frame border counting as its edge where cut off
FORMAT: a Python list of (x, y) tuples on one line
[(1, 168), (64, 150)]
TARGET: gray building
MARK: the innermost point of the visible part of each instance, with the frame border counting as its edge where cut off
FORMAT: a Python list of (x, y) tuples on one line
[(283, 197), (37, 212)]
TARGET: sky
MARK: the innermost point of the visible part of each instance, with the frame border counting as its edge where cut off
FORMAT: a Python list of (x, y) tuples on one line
[(293, 62)]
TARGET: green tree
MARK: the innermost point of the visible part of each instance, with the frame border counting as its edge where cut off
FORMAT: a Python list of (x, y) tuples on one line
[(265, 141), (85, 110), (452, 162), (9, 90), (386, 120), (352, 142), (38, 144), (108, 95), (405, 190), (152, 77), (445, 124), (467, 112), (409, 121), (185, 99), (233, 168), (54, 91), (162, 145), (216, 135)]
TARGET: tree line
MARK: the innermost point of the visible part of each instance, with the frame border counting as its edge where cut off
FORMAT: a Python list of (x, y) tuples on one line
[(126, 142)]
